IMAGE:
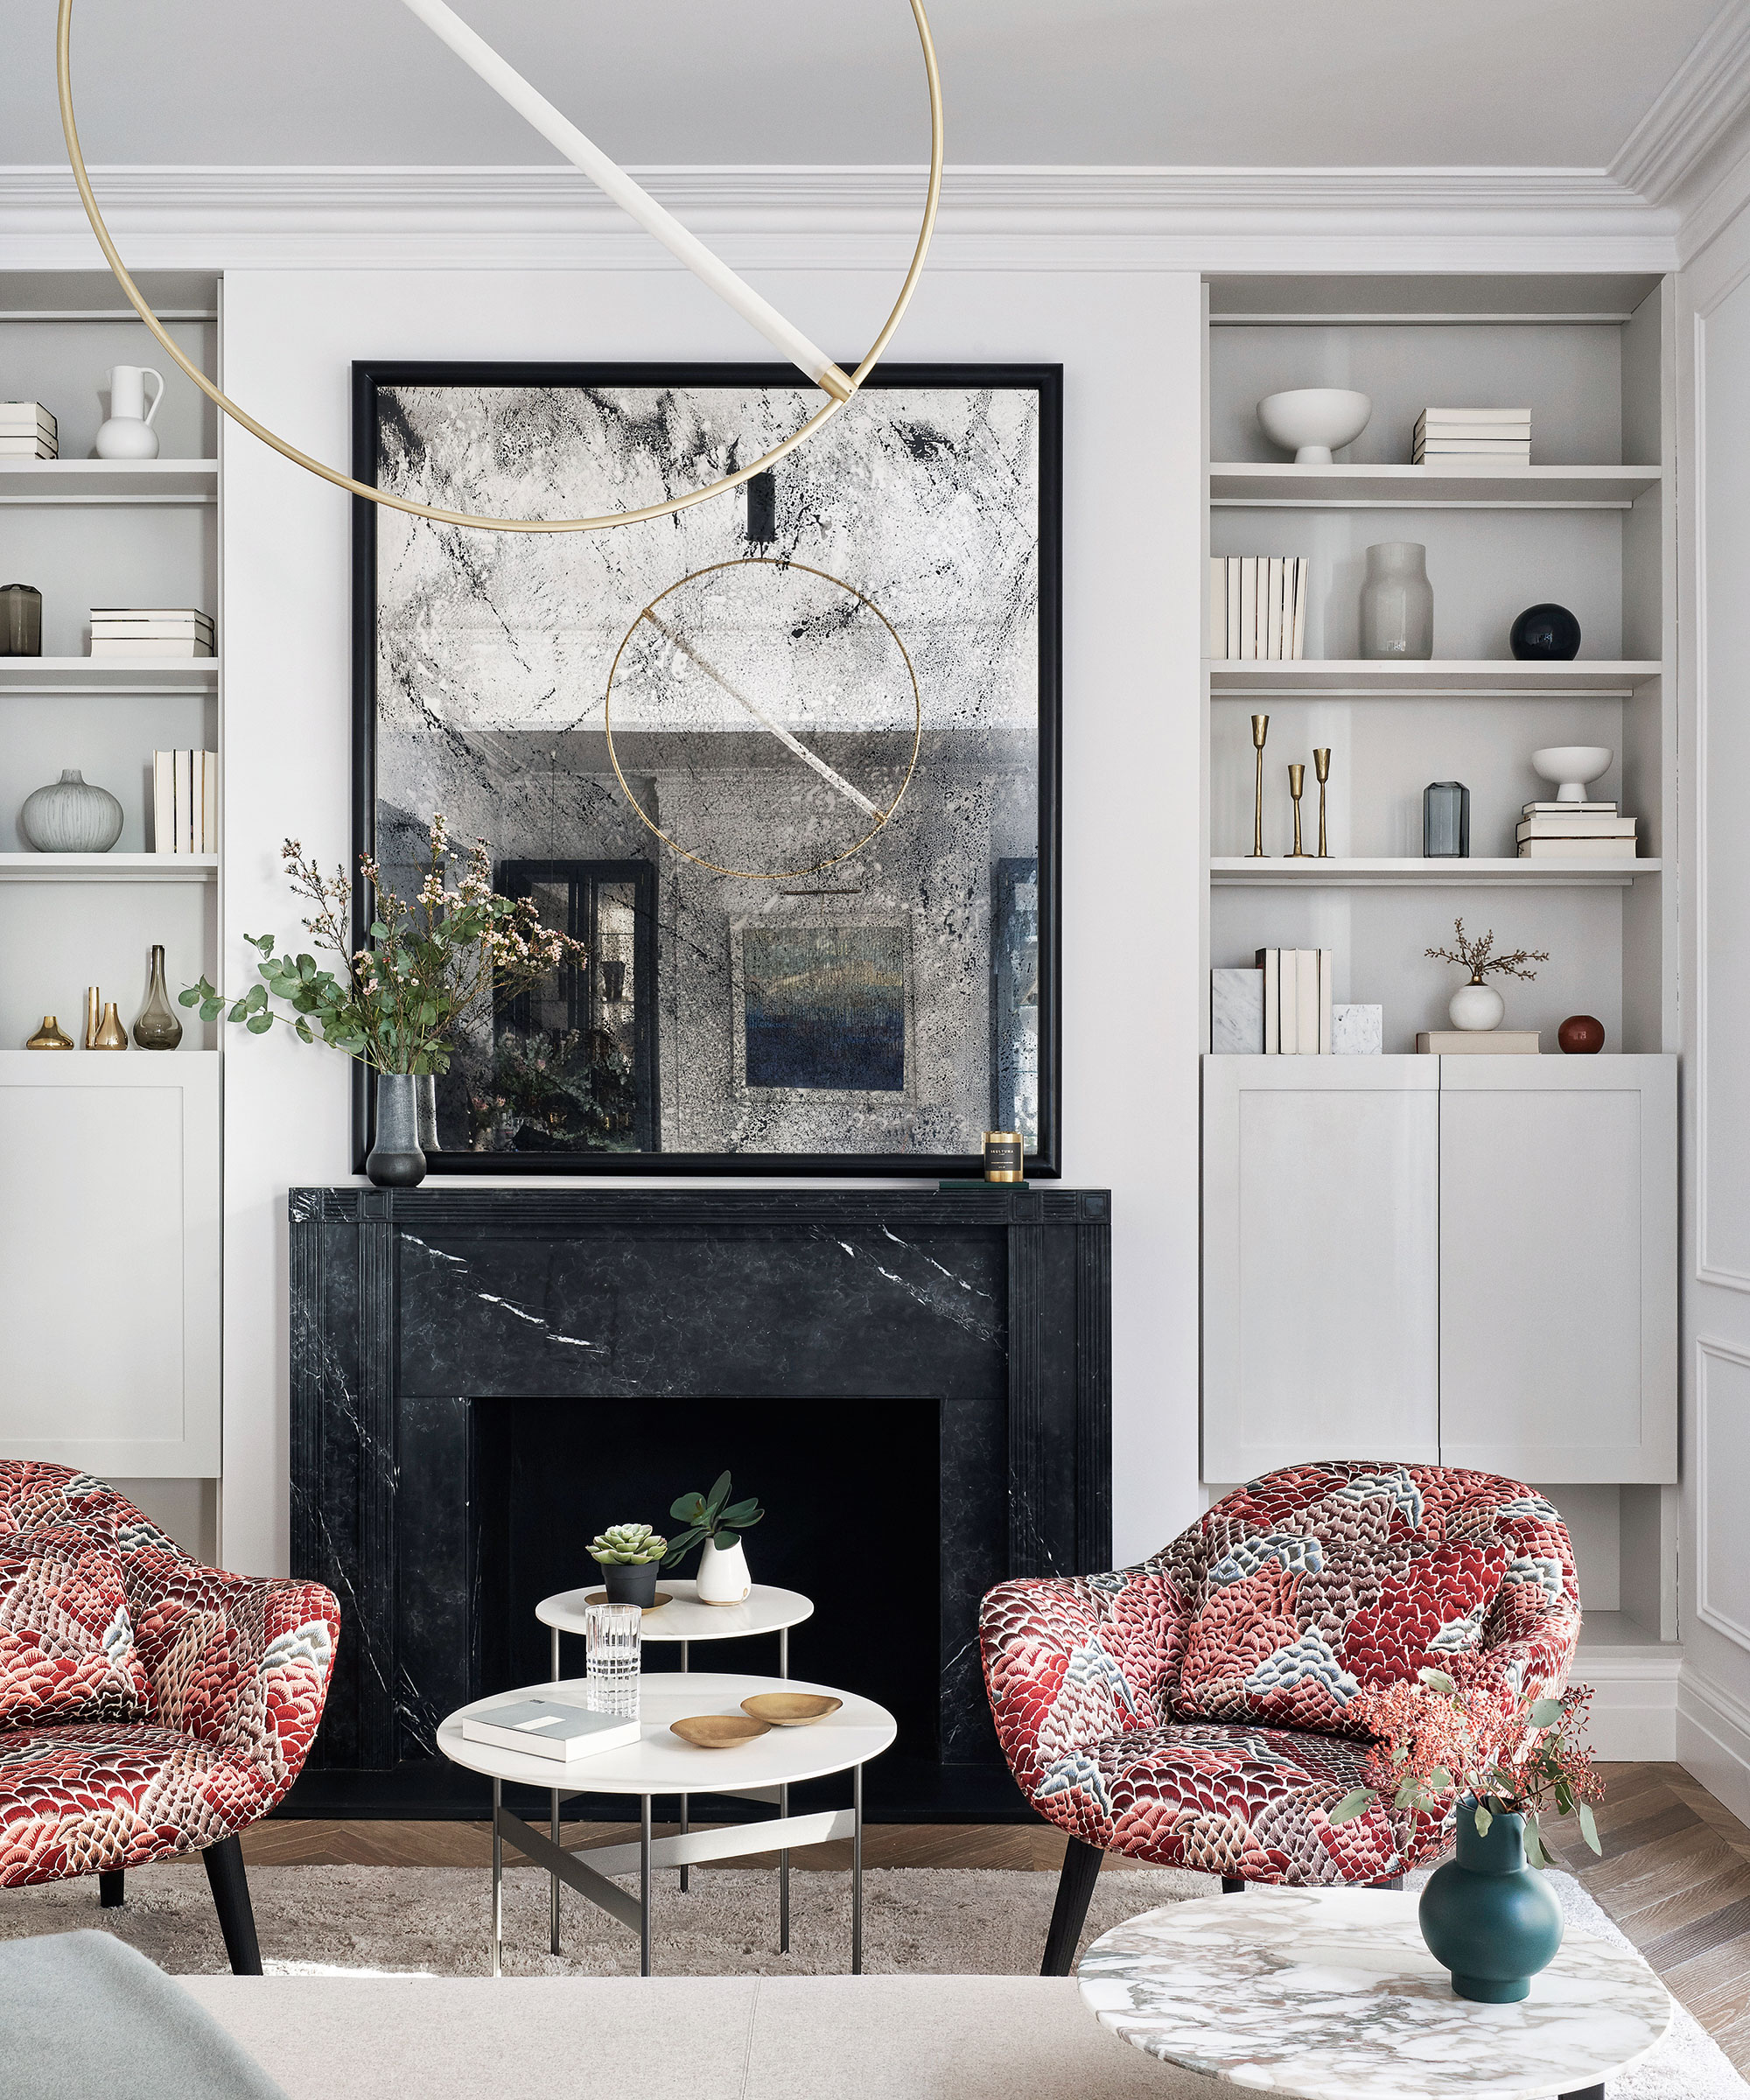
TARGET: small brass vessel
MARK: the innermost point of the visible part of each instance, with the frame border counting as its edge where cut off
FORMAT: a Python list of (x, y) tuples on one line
[(50, 1036), (1004, 1156), (110, 1035)]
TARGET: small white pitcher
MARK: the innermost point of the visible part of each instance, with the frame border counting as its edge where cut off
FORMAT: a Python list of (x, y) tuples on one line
[(129, 433)]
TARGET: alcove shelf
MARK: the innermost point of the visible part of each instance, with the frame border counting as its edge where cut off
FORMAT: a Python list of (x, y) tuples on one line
[(1361, 678), (1346, 873), (43, 482), (109, 867), (115, 674), (1254, 484)]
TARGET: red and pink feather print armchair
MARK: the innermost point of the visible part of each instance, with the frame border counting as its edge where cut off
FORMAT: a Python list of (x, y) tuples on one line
[(149, 1705), (1190, 1711)]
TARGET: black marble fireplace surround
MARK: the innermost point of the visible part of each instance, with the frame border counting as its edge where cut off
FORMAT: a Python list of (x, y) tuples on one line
[(952, 1347)]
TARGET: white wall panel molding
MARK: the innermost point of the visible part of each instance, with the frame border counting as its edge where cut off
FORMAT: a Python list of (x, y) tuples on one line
[(1722, 1461), (1634, 1702), (1052, 218), (1713, 1739)]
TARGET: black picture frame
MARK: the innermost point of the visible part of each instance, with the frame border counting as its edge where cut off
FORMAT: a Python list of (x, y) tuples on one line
[(369, 378)]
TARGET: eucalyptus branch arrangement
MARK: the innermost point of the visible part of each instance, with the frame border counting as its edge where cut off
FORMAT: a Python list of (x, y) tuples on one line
[(395, 1005), (1479, 958)]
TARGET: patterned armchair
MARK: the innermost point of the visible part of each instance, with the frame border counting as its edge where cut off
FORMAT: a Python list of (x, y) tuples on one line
[(1190, 1711), (149, 1706)]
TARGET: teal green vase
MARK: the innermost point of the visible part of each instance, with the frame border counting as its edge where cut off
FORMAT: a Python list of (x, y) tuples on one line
[(1487, 1916)]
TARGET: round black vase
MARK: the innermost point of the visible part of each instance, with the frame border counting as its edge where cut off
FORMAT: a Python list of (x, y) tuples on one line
[(1545, 634), (395, 1159), (631, 1582)]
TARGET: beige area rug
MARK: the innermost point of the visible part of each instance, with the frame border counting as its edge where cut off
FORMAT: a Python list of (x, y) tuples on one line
[(425, 1921)]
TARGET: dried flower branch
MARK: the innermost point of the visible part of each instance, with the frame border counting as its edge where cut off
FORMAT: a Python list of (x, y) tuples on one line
[(1479, 957)]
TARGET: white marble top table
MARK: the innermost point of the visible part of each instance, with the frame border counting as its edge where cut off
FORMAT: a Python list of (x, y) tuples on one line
[(1330, 1994), (764, 1610)]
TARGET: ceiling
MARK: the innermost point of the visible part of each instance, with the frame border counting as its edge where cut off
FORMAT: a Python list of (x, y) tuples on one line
[(1519, 83)]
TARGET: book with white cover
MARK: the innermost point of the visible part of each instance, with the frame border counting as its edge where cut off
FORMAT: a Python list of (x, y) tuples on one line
[(1249, 595), (18, 417), (163, 802), (184, 813), (548, 1728), (1462, 416), (1270, 961), (1477, 1042), (1568, 809), (1306, 1002), (1272, 610), (1577, 849), (167, 648), (1576, 827), (209, 802), (113, 624), (1233, 648), (1218, 604), (1288, 1001), (1327, 962), (1297, 638)]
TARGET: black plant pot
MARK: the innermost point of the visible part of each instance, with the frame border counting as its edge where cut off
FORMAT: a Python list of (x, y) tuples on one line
[(630, 1582)]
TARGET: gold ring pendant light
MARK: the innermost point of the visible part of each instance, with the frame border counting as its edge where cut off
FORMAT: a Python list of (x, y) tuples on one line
[(881, 816), (824, 413)]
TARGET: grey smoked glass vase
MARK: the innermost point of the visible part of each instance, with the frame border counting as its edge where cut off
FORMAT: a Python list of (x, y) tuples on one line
[(21, 621), (395, 1160), (157, 1027), (1446, 821)]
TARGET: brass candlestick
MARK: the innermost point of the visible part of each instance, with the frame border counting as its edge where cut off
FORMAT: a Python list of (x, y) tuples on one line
[(93, 1014), (1297, 781), (1321, 765), (1260, 730)]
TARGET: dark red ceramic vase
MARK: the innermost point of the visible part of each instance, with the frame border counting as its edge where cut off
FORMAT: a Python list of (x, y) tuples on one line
[(1581, 1036)]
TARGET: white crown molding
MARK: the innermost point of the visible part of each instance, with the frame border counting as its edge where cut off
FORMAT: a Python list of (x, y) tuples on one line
[(1692, 116), (1007, 218)]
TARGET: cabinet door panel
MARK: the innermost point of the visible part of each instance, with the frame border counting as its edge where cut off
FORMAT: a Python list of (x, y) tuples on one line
[(1320, 1261), (1558, 1267)]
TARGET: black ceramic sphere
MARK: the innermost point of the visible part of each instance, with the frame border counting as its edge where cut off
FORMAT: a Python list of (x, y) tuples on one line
[(1546, 635)]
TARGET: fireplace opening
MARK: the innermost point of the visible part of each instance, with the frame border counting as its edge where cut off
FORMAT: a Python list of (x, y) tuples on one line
[(852, 1493)]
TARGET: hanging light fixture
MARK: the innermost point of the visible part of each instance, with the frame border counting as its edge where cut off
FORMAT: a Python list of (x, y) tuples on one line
[(838, 386)]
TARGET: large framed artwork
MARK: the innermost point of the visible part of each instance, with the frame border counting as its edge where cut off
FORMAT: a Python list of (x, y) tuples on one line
[(786, 764)]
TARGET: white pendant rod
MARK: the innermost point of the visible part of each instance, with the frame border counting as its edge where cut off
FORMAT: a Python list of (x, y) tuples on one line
[(687, 247)]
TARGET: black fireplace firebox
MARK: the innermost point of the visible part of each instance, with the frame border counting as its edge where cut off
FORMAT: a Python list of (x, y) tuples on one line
[(917, 1386)]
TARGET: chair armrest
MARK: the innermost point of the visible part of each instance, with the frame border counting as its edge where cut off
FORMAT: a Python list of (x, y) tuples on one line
[(1533, 1629), (1071, 1661), (240, 1661)]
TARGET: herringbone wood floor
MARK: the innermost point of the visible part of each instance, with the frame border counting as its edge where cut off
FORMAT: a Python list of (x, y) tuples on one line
[(1675, 1874)]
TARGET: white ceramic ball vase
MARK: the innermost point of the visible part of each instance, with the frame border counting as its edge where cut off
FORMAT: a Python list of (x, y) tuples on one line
[(1311, 422), (723, 1574), (70, 816), (1572, 767), (1476, 1007)]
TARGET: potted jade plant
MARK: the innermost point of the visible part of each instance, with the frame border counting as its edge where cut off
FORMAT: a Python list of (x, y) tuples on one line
[(1468, 1745), (396, 1004), (628, 1556), (1476, 1004), (723, 1566)]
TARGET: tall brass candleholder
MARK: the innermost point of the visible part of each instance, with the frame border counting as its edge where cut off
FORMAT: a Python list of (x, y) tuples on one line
[(1321, 765), (1297, 781), (1260, 730)]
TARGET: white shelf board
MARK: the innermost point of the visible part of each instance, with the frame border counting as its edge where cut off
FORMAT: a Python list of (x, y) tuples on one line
[(1433, 679), (95, 1067), (113, 481), (1246, 484), (115, 675), (109, 867), (1346, 874)]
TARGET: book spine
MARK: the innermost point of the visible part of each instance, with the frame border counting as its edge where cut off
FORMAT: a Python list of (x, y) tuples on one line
[(209, 802), (1218, 604), (1233, 605), (1306, 989), (184, 802), (1288, 1001), (1249, 592), (163, 802), (1273, 613), (1327, 958), (1270, 961), (1299, 639)]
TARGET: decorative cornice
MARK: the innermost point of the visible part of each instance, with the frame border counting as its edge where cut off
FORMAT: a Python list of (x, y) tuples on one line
[(1693, 115)]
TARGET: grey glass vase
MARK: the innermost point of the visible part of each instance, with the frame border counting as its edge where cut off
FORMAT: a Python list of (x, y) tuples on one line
[(157, 1027), (1398, 603), (395, 1159)]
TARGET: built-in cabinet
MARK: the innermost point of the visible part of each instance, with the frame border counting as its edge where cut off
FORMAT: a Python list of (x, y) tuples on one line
[(1469, 1261)]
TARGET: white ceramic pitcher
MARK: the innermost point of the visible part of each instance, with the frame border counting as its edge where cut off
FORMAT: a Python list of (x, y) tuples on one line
[(129, 433)]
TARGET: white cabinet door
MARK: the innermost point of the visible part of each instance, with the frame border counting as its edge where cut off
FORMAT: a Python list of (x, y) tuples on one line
[(1558, 1222), (1320, 1261), (109, 1260)]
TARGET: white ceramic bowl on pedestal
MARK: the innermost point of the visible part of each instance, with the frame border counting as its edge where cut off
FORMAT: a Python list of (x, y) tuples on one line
[(1572, 767), (1312, 421)]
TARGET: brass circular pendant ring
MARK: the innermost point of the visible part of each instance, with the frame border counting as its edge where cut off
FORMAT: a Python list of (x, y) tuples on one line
[(142, 307), (883, 818)]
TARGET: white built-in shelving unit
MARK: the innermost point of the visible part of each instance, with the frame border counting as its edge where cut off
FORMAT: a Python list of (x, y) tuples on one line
[(135, 1137), (1589, 524)]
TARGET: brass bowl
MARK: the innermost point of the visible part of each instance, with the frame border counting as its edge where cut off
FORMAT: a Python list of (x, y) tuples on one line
[(790, 1709), (601, 1597), (718, 1731)]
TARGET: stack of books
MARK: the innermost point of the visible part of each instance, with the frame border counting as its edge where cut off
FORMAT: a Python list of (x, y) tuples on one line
[(1575, 832), (1477, 438), (28, 431), (1296, 1001), (1257, 605), (1477, 1042), (550, 1729), (185, 801), (166, 631)]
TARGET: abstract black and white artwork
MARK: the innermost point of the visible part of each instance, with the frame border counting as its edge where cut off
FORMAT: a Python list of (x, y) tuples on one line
[(786, 762)]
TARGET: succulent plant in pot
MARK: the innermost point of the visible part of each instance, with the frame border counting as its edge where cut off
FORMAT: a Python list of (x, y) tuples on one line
[(628, 1556), (719, 1522)]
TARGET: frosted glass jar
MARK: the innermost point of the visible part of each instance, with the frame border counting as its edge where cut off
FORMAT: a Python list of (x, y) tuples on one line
[(1398, 603)]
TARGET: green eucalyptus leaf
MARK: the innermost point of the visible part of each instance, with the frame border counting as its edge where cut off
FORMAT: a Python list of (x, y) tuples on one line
[(258, 1023), (1355, 1802), (1484, 1821), (1440, 1680), (257, 997), (1589, 1828), (303, 1030), (1534, 1841), (188, 997), (211, 1009), (1546, 1713)]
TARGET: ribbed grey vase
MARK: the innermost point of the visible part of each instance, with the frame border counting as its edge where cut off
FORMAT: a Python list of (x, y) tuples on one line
[(395, 1160), (70, 816)]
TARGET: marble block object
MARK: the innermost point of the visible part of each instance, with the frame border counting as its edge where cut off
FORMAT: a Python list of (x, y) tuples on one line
[(1357, 1031), (1236, 1013), (1331, 1994)]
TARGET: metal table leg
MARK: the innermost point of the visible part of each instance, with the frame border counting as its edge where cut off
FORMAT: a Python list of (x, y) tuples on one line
[(553, 1828), (783, 1809), (684, 1645), (498, 1883), (644, 1891), (857, 1872)]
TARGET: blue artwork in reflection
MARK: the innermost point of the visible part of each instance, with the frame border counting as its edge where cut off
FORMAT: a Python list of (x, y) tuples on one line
[(825, 1007)]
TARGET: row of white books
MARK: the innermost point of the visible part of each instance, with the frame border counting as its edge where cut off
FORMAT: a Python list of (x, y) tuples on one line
[(1478, 437), (1257, 605), (1297, 1000), (185, 801), (28, 431), (1575, 832), (167, 632)]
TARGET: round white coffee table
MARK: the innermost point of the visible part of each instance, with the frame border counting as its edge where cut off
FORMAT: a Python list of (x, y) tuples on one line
[(661, 1762), (764, 1610), (1330, 1994)]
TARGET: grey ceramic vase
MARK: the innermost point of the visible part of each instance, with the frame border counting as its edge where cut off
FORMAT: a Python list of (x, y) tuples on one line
[(426, 1093), (72, 816), (1398, 603), (395, 1160)]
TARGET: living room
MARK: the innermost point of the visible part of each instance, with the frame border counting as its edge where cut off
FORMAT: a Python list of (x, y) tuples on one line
[(705, 708)]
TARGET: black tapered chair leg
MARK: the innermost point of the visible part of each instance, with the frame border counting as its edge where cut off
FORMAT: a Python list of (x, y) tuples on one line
[(109, 1896), (1232, 1886), (1397, 1881), (230, 1887), (1069, 1914)]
